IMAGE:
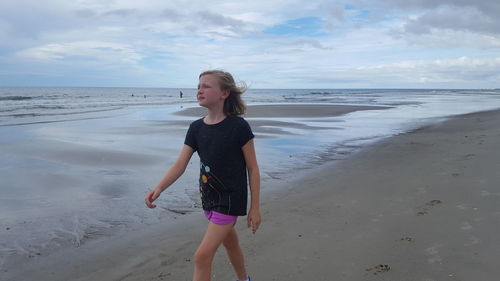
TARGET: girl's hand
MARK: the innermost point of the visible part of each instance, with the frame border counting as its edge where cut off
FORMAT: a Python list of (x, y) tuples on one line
[(152, 196), (253, 220)]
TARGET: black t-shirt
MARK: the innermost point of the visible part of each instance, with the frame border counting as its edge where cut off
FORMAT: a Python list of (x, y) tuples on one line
[(223, 174)]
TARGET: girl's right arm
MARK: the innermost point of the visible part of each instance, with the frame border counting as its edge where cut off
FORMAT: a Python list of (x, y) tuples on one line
[(171, 176)]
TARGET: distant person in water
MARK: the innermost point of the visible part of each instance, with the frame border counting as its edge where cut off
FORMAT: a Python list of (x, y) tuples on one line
[(224, 142), (180, 94)]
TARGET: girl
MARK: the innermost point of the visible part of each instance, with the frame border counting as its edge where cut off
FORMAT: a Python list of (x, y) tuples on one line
[(224, 142)]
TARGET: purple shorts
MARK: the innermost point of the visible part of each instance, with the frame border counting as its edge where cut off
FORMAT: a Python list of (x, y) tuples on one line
[(220, 219)]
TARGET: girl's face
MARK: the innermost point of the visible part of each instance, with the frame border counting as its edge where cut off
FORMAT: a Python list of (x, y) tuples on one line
[(209, 92)]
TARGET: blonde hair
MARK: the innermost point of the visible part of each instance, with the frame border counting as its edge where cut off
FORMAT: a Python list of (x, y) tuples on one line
[(233, 104)]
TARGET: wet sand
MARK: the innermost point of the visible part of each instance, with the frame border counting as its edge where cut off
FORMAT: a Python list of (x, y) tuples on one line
[(262, 118), (289, 110), (417, 206)]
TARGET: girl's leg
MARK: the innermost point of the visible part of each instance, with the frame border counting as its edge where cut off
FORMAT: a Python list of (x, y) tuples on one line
[(204, 256), (235, 254)]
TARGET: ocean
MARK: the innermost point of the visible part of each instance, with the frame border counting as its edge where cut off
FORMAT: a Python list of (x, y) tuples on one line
[(77, 162)]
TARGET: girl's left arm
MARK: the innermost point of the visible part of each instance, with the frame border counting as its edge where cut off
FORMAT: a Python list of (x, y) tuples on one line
[(253, 218)]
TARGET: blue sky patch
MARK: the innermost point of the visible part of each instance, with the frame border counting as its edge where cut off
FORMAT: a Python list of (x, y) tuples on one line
[(310, 26)]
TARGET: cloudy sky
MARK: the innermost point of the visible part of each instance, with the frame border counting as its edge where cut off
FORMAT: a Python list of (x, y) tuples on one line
[(267, 43)]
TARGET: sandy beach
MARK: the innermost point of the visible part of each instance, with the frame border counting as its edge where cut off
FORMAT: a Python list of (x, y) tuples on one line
[(417, 206)]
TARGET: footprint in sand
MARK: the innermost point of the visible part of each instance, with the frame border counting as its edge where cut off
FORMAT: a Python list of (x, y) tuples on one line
[(467, 156), (424, 210), (433, 202), (381, 268), (407, 239)]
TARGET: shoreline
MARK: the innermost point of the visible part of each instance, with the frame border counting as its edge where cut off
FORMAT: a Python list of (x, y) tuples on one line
[(415, 206)]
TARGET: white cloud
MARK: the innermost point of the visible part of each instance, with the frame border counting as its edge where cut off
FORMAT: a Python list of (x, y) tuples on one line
[(487, 6), (454, 18), (450, 39), (455, 21), (84, 50), (458, 71), (449, 73)]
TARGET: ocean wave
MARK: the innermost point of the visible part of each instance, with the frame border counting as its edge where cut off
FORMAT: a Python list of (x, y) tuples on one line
[(15, 98), (61, 113), (28, 109)]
